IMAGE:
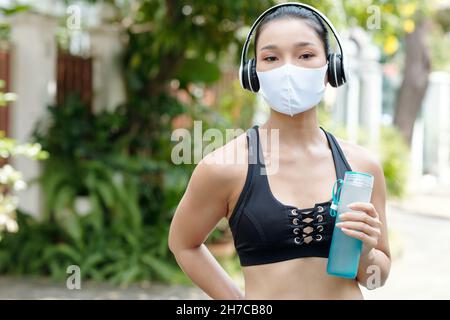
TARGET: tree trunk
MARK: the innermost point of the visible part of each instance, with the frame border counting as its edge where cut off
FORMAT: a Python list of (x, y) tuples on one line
[(415, 81)]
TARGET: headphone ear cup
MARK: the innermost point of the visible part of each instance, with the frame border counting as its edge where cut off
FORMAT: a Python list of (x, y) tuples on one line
[(253, 76), (336, 73), (331, 70), (339, 69), (244, 76), (341, 72)]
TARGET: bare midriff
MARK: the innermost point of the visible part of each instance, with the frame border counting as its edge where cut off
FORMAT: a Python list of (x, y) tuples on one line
[(300, 278)]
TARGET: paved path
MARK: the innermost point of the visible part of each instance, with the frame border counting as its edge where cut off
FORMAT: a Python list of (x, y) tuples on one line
[(423, 271), (427, 201), (28, 288)]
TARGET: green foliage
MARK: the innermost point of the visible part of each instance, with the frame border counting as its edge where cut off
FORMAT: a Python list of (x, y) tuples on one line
[(443, 18), (395, 159), (122, 235), (205, 72), (394, 152), (13, 9), (439, 44), (237, 106), (116, 254), (72, 132)]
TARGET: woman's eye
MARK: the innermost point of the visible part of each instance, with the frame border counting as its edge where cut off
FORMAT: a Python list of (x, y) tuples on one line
[(306, 56), (270, 59)]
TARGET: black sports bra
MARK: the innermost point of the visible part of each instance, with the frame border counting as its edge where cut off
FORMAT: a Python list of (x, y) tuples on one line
[(264, 229)]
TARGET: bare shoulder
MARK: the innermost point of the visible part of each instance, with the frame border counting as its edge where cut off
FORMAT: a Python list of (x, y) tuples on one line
[(226, 164), (206, 199), (361, 158)]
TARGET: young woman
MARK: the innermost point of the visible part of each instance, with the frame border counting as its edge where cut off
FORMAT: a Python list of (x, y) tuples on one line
[(280, 222)]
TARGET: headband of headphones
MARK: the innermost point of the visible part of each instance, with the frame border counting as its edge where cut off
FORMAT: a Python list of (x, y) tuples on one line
[(298, 4)]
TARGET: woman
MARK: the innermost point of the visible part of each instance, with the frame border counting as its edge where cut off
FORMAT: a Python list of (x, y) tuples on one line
[(280, 221)]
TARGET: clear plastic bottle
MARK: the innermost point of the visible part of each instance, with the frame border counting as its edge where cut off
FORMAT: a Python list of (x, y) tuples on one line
[(345, 251)]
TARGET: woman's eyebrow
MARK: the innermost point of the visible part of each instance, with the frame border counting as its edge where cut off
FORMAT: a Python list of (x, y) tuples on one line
[(297, 44), (268, 47), (304, 44)]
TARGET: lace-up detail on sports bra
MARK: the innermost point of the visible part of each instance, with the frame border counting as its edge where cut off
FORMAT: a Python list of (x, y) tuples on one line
[(265, 230)]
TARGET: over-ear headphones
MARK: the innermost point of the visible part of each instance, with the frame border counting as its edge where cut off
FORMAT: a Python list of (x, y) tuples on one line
[(336, 71)]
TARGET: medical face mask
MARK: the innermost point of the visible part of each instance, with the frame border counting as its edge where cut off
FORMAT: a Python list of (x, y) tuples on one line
[(290, 89)]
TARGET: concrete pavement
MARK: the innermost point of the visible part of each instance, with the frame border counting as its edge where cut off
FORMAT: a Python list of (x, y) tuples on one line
[(423, 269)]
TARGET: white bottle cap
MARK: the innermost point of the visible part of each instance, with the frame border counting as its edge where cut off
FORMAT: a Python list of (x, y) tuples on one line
[(359, 179)]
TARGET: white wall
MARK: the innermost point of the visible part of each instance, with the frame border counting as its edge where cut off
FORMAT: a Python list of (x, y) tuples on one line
[(33, 70)]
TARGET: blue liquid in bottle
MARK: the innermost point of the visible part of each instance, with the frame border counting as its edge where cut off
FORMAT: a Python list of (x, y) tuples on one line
[(345, 251)]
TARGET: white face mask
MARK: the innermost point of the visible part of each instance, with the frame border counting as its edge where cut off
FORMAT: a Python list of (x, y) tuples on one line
[(290, 89)]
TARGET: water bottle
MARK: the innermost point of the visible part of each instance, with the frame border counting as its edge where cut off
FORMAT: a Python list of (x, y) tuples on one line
[(345, 251)]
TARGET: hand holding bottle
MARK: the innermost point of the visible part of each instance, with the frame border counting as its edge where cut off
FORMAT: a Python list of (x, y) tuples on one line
[(363, 224), (356, 231)]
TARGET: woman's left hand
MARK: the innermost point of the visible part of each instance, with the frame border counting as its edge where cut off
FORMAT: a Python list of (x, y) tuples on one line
[(364, 224)]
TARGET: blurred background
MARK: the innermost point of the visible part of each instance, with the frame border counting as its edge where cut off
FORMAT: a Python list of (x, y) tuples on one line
[(91, 92)]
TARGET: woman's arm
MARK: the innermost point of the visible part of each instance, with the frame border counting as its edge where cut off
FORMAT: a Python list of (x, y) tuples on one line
[(369, 225), (204, 203)]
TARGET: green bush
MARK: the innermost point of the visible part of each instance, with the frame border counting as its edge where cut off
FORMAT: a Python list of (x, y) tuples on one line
[(131, 195), (395, 160), (122, 236)]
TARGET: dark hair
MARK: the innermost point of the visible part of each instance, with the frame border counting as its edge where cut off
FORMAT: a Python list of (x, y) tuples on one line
[(296, 12)]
